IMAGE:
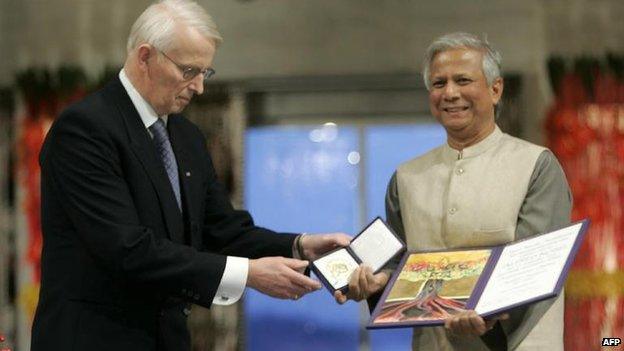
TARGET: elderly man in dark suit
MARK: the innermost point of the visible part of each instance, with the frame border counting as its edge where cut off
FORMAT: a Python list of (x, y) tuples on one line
[(135, 224)]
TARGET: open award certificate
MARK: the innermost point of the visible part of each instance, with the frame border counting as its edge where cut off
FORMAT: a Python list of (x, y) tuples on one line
[(428, 287), (374, 246)]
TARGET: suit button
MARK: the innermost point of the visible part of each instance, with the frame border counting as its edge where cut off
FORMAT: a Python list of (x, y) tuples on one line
[(186, 311), (161, 313), (196, 297)]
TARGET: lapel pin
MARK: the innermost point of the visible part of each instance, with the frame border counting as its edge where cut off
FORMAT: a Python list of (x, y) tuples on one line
[(188, 174)]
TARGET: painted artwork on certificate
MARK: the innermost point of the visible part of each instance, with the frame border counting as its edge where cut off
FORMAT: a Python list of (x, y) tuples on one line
[(433, 286)]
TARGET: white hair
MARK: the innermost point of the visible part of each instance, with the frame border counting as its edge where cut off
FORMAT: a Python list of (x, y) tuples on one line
[(156, 25), (491, 62)]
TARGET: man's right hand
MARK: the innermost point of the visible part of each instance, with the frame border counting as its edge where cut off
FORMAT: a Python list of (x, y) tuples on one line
[(362, 284), (471, 324), (280, 277)]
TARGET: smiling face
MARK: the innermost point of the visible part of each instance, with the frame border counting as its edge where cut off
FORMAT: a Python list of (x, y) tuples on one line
[(460, 97), (167, 91)]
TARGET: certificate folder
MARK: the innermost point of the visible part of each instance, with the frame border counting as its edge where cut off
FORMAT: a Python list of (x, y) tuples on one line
[(428, 287), (374, 246)]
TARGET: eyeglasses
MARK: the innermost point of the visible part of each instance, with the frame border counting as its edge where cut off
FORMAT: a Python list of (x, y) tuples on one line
[(190, 72)]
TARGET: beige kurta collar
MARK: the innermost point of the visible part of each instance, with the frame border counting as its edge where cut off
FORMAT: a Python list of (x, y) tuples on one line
[(474, 150)]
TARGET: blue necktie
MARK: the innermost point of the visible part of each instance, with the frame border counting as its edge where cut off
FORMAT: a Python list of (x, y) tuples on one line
[(163, 146)]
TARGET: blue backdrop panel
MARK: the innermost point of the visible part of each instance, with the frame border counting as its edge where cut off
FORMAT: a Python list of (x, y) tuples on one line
[(385, 148), (300, 179)]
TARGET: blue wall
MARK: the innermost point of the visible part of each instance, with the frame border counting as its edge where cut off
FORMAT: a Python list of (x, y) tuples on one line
[(311, 179), (385, 148)]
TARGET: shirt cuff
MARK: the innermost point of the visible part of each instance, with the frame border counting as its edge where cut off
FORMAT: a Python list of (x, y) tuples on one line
[(233, 281)]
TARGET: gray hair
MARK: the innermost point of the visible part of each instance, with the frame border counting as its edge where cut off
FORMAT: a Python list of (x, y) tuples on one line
[(491, 58), (156, 25)]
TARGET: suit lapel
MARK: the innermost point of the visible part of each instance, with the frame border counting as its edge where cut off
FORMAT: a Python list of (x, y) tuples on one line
[(143, 148)]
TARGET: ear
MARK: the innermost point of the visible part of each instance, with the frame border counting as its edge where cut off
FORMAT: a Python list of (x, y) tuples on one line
[(496, 90), (144, 53)]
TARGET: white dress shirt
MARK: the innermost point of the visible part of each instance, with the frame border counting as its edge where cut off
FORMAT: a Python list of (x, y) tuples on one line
[(234, 277)]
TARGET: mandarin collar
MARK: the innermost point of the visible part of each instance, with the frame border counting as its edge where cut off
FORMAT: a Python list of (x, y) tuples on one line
[(476, 149)]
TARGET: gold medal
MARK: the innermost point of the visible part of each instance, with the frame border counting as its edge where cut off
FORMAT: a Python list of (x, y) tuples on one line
[(337, 268)]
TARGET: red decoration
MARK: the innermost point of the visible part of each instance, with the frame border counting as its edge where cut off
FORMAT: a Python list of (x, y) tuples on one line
[(587, 135), (30, 143), (2, 339), (34, 128)]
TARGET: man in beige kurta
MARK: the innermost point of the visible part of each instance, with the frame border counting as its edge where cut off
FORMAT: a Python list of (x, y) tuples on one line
[(482, 188)]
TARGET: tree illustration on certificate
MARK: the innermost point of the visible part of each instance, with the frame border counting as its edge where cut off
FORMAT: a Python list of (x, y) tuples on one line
[(433, 286)]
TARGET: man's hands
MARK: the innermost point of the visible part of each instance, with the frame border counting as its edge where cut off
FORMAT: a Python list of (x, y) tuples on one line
[(283, 277), (315, 245), (363, 283), (280, 277), (470, 323)]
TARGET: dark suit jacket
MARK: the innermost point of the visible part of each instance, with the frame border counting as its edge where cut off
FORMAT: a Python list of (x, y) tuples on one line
[(120, 262)]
